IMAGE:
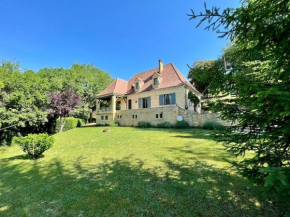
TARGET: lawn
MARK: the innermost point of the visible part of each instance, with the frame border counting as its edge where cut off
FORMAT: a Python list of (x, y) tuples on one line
[(128, 172)]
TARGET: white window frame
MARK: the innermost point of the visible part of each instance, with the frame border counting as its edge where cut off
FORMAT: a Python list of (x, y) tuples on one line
[(134, 117), (157, 116)]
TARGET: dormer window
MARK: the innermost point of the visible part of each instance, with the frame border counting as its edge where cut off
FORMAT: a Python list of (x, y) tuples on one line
[(137, 86), (155, 81)]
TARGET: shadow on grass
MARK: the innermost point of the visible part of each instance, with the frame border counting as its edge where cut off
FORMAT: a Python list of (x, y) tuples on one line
[(21, 157), (219, 155), (188, 133), (126, 187), (88, 126)]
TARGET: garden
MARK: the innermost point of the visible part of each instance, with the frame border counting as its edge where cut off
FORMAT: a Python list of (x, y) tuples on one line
[(130, 172)]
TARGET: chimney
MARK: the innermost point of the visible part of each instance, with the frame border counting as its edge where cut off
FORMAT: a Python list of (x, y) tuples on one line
[(160, 66)]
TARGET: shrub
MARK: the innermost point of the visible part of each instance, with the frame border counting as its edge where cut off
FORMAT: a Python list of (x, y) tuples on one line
[(209, 125), (81, 113), (114, 124), (143, 124), (181, 125), (101, 125), (164, 125), (70, 123), (34, 144)]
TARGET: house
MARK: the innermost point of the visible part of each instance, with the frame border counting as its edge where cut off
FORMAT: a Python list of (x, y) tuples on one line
[(154, 96)]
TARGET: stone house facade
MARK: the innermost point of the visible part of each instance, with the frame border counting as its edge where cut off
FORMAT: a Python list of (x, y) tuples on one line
[(157, 95)]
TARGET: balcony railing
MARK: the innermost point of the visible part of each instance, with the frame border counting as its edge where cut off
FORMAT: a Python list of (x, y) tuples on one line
[(104, 110)]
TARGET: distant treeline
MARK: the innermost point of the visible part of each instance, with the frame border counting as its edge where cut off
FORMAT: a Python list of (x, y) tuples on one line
[(25, 95)]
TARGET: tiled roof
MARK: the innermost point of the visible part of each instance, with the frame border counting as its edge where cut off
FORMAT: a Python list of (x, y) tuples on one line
[(171, 77), (118, 86)]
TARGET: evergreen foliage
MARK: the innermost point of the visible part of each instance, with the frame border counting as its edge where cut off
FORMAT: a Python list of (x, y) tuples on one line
[(256, 71)]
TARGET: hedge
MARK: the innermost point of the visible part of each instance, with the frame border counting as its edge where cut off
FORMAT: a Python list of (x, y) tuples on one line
[(70, 123)]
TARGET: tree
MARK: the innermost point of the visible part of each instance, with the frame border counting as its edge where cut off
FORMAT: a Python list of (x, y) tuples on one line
[(259, 76), (194, 99), (205, 74), (83, 79), (23, 102), (62, 104)]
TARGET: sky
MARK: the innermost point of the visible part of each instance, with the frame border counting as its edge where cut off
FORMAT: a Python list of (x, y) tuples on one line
[(122, 37)]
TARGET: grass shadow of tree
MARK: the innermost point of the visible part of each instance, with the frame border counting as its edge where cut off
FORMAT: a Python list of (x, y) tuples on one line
[(126, 187)]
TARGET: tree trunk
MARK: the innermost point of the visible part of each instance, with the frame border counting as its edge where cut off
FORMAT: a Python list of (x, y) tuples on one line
[(62, 123), (91, 117)]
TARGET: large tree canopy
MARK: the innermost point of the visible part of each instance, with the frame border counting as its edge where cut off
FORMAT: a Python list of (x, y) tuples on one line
[(258, 73), (24, 96)]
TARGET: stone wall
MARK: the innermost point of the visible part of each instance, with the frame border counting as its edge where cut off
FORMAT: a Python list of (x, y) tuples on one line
[(198, 119), (169, 114)]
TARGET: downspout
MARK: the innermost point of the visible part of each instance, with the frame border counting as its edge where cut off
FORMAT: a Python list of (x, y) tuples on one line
[(185, 97)]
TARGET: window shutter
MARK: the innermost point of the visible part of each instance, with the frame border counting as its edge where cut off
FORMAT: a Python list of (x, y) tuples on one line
[(173, 100), (140, 103), (161, 99), (149, 102)]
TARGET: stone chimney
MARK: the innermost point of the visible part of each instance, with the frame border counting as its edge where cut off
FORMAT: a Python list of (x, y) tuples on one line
[(160, 66)]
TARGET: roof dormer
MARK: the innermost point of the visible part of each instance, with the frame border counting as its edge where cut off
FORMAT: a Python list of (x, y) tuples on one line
[(138, 84), (156, 80)]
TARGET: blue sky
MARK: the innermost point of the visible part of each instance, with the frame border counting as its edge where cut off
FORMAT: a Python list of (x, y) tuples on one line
[(120, 37)]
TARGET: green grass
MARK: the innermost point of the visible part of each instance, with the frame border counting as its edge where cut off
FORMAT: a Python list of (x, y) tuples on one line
[(129, 172)]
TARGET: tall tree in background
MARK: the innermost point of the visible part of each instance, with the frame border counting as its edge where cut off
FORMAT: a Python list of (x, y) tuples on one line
[(259, 75), (83, 79), (204, 74), (24, 96), (62, 104), (23, 102)]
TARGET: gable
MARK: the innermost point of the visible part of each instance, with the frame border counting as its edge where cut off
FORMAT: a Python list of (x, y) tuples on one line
[(170, 77)]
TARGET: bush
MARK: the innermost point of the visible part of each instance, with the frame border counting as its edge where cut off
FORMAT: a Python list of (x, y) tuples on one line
[(70, 123), (212, 126), (34, 144), (81, 113), (181, 125), (164, 125), (143, 124), (114, 124), (101, 125)]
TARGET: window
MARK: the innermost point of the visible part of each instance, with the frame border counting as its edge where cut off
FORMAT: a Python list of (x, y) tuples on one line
[(159, 116), (155, 81), (119, 117), (104, 118), (118, 105), (137, 86), (167, 99), (145, 102), (129, 104), (134, 117)]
